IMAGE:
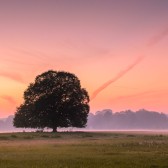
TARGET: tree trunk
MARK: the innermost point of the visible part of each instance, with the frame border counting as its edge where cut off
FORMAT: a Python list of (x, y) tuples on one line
[(54, 129)]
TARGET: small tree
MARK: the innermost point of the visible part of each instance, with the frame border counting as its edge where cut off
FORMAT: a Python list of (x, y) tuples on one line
[(54, 100)]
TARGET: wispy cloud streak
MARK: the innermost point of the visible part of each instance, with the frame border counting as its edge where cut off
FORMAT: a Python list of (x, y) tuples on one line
[(156, 39), (118, 76), (9, 99), (146, 93), (12, 76)]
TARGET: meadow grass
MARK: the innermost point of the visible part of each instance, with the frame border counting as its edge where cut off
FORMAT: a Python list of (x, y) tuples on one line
[(83, 150)]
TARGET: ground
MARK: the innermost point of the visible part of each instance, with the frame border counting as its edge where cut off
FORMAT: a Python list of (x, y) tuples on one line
[(83, 150)]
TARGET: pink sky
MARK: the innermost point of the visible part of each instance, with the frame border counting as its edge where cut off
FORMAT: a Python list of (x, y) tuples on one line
[(96, 40)]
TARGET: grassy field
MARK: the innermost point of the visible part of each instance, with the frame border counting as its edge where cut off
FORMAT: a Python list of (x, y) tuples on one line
[(83, 150)]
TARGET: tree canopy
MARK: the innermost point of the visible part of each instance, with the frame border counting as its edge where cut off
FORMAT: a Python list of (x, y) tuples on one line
[(54, 100)]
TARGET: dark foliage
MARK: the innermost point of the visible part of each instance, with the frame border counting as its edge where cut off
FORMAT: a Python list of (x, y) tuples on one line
[(55, 99)]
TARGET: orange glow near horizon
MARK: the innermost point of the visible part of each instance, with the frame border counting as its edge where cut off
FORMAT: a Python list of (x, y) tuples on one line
[(96, 41)]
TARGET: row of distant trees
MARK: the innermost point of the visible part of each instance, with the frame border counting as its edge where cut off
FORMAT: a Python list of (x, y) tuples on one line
[(106, 119), (56, 99), (128, 119), (6, 124)]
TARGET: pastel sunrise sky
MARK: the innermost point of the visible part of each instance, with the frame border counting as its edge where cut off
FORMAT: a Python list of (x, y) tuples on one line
[(117, 48)]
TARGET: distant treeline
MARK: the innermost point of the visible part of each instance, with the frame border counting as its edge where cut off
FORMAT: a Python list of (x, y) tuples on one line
[(6, 124), (107, 120), (128, 119)]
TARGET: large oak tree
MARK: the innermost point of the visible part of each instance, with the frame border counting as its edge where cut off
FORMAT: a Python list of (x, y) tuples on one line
[(54, 100)]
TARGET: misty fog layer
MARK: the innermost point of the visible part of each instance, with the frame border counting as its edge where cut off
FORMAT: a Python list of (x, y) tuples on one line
[(128, 119), (107, 120)]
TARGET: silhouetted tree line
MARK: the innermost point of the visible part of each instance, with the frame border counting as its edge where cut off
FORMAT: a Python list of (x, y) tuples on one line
[(106, 119), (6, 124), (128, 119)]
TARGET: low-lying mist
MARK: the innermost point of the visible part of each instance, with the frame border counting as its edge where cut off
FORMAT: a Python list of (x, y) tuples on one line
[(127, 120), (108, 120)]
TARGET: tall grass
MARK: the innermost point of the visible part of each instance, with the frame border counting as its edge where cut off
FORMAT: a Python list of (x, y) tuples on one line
[(83, 150)]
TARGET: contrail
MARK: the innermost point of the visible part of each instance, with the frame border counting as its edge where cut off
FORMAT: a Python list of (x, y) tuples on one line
[(118, 76), (158, 38), (152, 42)]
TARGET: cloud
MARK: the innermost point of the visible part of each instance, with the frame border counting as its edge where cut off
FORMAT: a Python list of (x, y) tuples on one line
[(117, 77), (9, 99), (15, 77), (156, 39), (136, 95)]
